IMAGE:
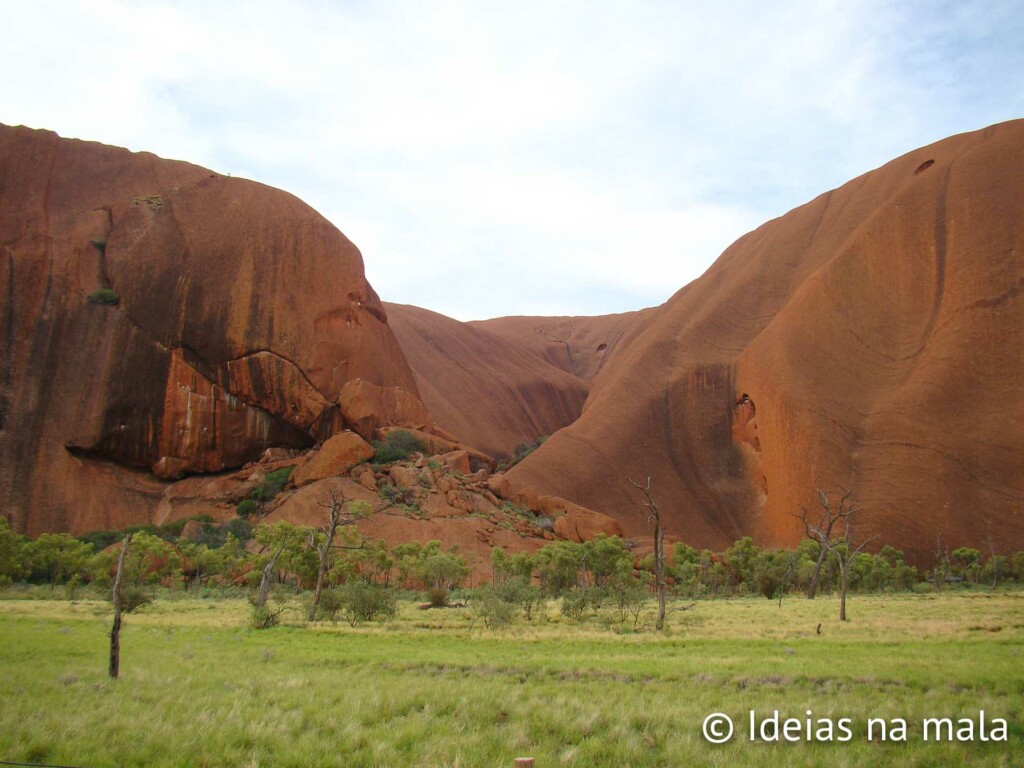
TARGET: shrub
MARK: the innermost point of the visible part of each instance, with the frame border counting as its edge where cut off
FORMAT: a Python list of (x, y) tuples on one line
[(365, 602), (331, 602), (493, 606), (438, 597), (521, 452), (247, 508), (264, 617), (272, 484), (240, 529), (398, 444), (574, 604), (104, 296), (133, 598)]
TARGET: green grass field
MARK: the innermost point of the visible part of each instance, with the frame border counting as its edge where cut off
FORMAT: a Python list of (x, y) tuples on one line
[(433, 688)]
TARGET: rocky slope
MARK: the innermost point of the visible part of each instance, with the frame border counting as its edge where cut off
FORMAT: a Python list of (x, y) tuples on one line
[(870, 339), (159, 319), (492, 391)]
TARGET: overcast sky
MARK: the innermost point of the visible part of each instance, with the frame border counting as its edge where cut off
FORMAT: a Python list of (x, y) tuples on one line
[(521, 158)]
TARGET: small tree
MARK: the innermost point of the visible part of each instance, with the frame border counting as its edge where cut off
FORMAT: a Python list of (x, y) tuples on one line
[(276, 538), (834, 533), (659, 548), (825, 525), (341, 512)]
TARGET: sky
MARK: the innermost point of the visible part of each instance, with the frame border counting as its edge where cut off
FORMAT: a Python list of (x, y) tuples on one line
[(521, 158)]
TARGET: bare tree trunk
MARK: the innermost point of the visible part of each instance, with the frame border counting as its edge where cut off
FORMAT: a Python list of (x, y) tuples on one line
[(268, 571), (659, 549), (659, 568), (842, 589), (115, 632), (320, 574), (813, 589)]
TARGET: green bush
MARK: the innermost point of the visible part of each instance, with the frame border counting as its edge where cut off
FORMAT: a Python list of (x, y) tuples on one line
[(272, 484), (494, 607), (247, 508), (575, 604), (133, 598), (264, 618), (398, 444), (104, 296), (366, 602), (240, 529), (331, 602)]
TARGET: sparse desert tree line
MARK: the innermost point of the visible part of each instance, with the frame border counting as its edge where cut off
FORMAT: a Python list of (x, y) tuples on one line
[(359, 578)]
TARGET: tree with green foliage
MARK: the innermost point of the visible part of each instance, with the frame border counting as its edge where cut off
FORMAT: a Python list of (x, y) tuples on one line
[(966, 563), (277, 539), (604, 557), (12, 554), (558, 567), (440, 571), (56, 557), (504, 567), (341, 513), (741, 559)]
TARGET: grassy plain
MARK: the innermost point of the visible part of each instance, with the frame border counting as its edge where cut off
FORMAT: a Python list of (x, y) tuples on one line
[(434, 688)]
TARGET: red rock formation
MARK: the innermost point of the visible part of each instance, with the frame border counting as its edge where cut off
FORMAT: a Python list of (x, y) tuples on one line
[(234, 318), (578, 345), (870, 339), (493, 391), (337, 456)]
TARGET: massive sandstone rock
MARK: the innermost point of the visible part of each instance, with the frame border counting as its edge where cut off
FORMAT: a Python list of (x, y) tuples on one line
[(870, 339), (493, 391), (580, 346), (242, 320)]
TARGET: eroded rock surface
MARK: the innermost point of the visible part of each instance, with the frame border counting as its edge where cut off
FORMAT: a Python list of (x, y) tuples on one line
[(161, 317)]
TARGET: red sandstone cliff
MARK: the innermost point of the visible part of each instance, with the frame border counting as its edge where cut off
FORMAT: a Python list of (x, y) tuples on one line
[(242, 320), (870, 339)]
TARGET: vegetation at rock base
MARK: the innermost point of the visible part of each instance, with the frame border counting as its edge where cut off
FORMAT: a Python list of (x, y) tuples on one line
[(556, 657), (396, 445), (520, 452)]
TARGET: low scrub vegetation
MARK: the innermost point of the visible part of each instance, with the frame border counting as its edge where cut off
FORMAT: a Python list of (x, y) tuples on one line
[(398, 444), (104, 296)]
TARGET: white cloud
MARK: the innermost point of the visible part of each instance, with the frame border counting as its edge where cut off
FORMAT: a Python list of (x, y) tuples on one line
[(493, 158)]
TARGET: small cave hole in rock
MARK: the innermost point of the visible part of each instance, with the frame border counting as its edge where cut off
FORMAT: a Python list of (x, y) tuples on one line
[(924, 166), (601, 347)]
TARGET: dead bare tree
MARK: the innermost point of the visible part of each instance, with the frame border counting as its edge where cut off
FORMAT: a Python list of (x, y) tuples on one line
[(834, 533), (659, 547), (340, 513), (941, 563), (993, 557), (825, 525), (115, 632)]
